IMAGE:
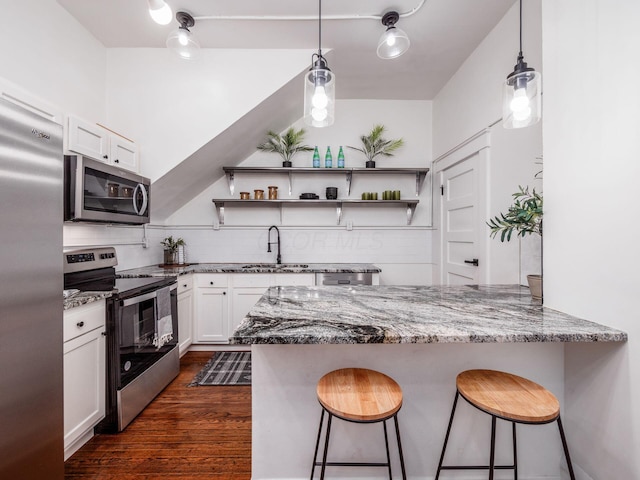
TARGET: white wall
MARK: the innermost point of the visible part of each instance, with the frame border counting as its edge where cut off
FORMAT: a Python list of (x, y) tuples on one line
[(51, 56), (472, 101), (591, 151), (379, 235), (172, 107)]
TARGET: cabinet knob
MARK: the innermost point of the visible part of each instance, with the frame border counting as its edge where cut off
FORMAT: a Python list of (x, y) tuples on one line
[(105, 156), (184, 285), (224, 293), (210, 283), (80, 324), (116, 161)]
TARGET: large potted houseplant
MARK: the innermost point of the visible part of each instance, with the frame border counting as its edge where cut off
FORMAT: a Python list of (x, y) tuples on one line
[(524, 217), (171, 247), (375, 144), (286, 145)]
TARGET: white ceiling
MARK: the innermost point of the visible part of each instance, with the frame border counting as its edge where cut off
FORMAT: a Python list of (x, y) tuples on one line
[(443, 34)]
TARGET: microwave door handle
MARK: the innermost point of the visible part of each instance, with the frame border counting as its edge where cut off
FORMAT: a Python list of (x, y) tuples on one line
[(145, 200)]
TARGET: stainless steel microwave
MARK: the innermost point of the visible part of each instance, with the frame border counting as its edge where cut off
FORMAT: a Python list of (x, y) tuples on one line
[(97, 192)]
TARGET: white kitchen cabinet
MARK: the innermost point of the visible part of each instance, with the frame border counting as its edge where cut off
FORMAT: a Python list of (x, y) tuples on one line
[(84, 373), (212, 308), (247, 289), (102, 144), (185, 313)]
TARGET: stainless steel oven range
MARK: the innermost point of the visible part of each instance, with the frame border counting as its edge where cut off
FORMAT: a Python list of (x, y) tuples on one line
[(142, 332)]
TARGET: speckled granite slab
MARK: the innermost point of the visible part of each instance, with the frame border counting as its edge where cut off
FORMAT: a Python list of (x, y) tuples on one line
[(408, 314), (156, 271), (83, 298)]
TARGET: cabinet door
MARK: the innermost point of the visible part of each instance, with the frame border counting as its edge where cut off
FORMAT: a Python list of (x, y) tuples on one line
[(88, 139), (84, 384), (185, 320), (212, 315), (123, 153), (242, 300)]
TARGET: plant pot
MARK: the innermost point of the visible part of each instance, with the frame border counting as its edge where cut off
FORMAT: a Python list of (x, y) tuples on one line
[(535, 286), (370, 164), (170, 257), (286, 163)]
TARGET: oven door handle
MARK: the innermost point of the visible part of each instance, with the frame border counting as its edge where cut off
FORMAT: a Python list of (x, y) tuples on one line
[(146, 296)]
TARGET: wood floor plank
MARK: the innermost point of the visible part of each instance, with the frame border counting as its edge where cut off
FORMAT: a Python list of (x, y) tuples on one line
[(185, 433)]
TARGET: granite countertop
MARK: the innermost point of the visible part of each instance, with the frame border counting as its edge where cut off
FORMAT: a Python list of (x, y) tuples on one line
[(248, 267), (411, 314), (83, 298)]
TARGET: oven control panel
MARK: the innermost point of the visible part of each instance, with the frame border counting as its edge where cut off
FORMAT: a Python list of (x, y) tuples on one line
[(89, 259)]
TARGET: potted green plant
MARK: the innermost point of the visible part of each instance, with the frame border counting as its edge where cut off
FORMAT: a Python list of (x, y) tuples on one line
[(525, 218), (375, 144), (171, 246), (286, 145)]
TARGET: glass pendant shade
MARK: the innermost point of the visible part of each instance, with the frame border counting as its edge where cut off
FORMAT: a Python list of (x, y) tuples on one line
[(319, 95), (393, 43), (183, 43), (160, 12), (522, 99)]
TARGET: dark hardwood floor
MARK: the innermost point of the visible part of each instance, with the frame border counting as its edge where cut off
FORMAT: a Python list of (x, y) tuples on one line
[(185, 433)]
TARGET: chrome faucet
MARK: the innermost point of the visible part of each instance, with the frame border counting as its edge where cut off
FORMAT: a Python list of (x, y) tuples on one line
[(269, 242)]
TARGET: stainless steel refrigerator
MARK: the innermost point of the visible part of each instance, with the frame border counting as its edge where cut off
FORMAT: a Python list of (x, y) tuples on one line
[(31, 410)]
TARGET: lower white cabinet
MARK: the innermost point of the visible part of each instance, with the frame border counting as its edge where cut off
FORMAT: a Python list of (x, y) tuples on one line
[(84, 373), (223, 300), (185, 313), (212, 308)]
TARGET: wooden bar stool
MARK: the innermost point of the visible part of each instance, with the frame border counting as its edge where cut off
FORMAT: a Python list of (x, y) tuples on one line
[(361, 396), (509, 397)]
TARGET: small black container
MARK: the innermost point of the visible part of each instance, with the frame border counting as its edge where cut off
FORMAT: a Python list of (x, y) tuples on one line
[(332, 193)]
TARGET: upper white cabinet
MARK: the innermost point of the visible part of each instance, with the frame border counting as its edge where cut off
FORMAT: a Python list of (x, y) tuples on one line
[(97, 142)]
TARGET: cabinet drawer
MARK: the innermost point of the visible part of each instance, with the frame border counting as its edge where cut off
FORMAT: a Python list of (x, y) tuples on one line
[(294, 279), (185, 282), (83, 319), (215, 280), (252, 280)]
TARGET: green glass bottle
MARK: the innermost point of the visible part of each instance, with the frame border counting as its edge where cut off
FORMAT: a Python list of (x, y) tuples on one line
[(340, 158), (316, 158), (328, 159)]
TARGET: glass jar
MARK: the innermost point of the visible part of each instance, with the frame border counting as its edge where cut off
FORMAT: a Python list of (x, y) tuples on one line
[(273, 192), (258, 194)]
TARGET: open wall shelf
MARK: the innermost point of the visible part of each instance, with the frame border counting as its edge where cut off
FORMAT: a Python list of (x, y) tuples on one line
[(420, 174)]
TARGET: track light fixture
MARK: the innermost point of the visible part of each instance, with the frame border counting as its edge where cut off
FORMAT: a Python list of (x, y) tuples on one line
[(393, 42), (160, 12), (319, 87), (181, 40), (522, 96)]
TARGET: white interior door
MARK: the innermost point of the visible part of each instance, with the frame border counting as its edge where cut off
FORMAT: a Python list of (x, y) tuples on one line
[(460, 251)]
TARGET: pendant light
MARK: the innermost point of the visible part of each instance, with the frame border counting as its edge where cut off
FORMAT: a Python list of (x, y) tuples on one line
[(393, 42), (319, 87), (182, 41), (522, 96), (160, 12)]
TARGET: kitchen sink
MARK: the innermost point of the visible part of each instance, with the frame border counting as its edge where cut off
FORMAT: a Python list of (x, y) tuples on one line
[(275, 265)]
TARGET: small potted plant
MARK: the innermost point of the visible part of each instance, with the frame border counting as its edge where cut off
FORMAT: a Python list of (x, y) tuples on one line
[(171, 246), (525, 218), (286, 145), (375, 144)]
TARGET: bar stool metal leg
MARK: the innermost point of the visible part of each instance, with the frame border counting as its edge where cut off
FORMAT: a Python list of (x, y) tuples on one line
[(315, 453), (404, 473), (386, 446), (515, 453), (446, 437), (566, 449), (326, 447), (492, 456)]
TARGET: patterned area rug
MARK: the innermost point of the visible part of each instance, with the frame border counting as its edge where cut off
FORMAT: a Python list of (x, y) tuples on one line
[(225, 368)]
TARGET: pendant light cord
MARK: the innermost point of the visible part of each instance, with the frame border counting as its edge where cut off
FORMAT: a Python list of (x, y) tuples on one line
[(320, 27), (520, 54)]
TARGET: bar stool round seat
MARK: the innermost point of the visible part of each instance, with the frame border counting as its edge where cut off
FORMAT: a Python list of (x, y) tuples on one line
[(358, 395), (508, 397)]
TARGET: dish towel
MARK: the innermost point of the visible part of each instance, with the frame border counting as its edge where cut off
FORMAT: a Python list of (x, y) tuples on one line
[(164, 322)]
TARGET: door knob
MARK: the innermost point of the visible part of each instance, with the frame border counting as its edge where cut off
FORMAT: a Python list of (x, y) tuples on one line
[(473, 262)]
